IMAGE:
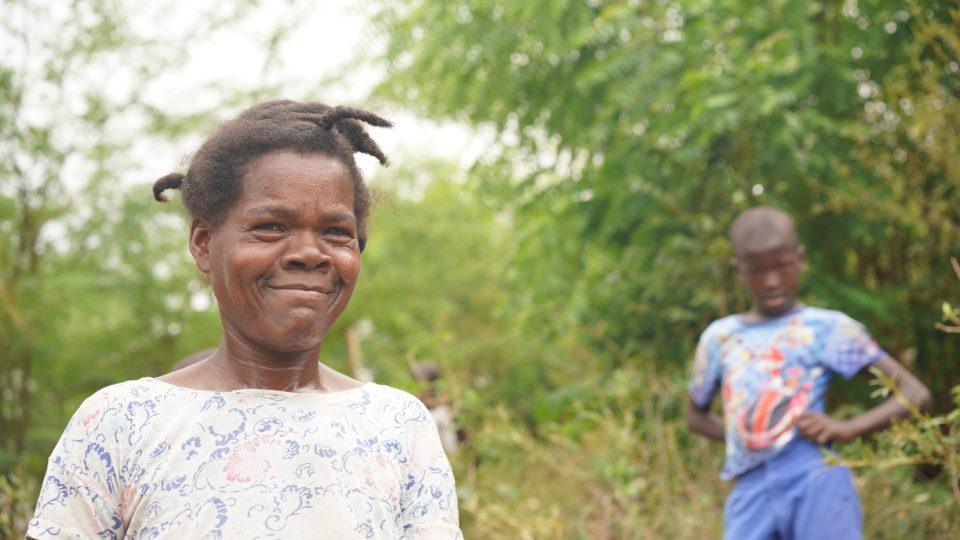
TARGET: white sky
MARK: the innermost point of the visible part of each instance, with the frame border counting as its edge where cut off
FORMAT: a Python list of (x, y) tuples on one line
[(328, 37), (324, 41)]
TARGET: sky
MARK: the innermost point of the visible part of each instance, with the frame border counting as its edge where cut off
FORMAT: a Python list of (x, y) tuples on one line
[(325, 39), (319, 57)]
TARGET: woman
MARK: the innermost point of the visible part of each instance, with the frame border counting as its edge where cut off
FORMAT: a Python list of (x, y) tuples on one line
[(260, 439)]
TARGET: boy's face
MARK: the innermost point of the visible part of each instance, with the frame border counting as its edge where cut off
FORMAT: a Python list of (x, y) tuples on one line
[(772, 275)]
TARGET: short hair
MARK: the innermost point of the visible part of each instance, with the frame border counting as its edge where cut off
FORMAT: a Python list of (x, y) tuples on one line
[(762, 226), (213, 181)]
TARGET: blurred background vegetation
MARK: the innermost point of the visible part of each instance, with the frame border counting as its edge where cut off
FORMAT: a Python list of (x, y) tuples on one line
[(560, 279)]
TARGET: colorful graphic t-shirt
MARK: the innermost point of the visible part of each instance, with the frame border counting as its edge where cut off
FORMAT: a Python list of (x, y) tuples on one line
[(145, 459), (772, 371)]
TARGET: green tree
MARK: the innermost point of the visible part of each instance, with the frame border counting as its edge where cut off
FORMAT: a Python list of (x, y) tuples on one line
[(36, 144), (436, 286), (87, 294), (631, 132)]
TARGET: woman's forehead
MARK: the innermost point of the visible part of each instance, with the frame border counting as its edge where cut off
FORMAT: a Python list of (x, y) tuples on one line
[(291, 187), (276, 209), (280, 167), (296, 177)]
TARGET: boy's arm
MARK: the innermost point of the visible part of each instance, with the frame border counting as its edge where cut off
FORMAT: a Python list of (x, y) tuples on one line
[(822, 429), (704, 422)]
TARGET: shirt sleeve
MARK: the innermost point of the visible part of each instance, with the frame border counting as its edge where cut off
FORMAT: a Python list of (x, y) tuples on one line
[(705, 376), (429, 500), (80, 494), (849, 348)]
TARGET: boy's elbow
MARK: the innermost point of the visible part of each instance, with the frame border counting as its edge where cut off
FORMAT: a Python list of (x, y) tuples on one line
[(924, 398), (693, 418)]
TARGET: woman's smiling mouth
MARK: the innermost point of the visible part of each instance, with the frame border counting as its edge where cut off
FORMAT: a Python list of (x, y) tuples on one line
[(307, 292)]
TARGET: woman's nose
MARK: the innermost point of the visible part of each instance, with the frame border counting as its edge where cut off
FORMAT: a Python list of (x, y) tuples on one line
[(306, 252)]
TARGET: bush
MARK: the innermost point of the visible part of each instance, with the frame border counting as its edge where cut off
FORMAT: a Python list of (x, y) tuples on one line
[(623, 465), (18, 495)]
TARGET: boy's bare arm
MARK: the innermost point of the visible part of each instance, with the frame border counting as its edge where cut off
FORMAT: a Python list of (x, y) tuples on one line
[(822, 429), (704, 422)]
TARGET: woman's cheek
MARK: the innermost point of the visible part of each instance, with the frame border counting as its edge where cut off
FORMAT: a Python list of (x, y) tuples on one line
[(350, 266)]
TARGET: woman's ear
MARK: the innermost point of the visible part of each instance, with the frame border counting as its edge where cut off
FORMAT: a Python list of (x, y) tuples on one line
[(200, 233)]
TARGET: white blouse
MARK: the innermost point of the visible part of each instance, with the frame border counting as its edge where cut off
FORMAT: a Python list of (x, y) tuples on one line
[(146, 459)]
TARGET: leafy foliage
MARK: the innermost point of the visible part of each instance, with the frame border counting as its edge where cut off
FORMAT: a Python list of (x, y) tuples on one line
[(561, 281), (926, 439), (93, 276), (629, 135), (631, 132)]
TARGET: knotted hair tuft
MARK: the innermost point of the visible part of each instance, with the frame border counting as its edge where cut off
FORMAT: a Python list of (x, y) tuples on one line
[(170, 181), (213, 181)]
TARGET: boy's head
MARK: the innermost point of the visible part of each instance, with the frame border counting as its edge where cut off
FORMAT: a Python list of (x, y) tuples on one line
[(768, 258)]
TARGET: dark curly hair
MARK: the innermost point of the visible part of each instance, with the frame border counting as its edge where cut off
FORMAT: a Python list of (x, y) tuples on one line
[(213, 180)]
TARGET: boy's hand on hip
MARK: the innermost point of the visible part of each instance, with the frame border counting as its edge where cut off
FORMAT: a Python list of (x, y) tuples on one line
[(822, 429)]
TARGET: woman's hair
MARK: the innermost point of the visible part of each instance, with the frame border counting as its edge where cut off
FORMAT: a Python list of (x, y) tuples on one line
[(213, 180)]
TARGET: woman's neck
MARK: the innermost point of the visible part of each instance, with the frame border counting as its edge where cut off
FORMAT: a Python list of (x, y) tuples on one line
[(238, 364)]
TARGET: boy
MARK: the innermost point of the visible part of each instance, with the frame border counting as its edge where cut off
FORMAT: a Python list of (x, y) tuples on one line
[(772, 366)]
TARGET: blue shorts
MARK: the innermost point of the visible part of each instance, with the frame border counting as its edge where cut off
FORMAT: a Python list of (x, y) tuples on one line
[(794, 496)]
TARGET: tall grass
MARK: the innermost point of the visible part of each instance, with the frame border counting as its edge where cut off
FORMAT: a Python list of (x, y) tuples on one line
[(620, 464), (18, 495), (628, 468)]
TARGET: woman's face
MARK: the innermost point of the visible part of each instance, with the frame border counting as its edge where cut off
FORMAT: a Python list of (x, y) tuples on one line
[(286, 259)]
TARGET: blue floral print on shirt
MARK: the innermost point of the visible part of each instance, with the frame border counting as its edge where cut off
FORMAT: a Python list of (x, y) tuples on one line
[(145, 459)]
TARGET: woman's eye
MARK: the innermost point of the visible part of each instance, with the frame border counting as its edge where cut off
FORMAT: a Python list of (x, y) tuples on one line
[(339, 231)]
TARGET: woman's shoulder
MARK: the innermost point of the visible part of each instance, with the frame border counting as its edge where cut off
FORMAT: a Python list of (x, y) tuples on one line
[(112, 394), (389, 393), (391, 404), (126, 392), (106, 412), (381, 395)]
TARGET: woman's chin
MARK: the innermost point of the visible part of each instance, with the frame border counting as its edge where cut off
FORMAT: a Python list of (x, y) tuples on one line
[(294, 338), (293, 345)]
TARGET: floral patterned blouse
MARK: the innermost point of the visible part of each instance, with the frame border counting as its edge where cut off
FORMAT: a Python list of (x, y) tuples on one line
[(146, 459)]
